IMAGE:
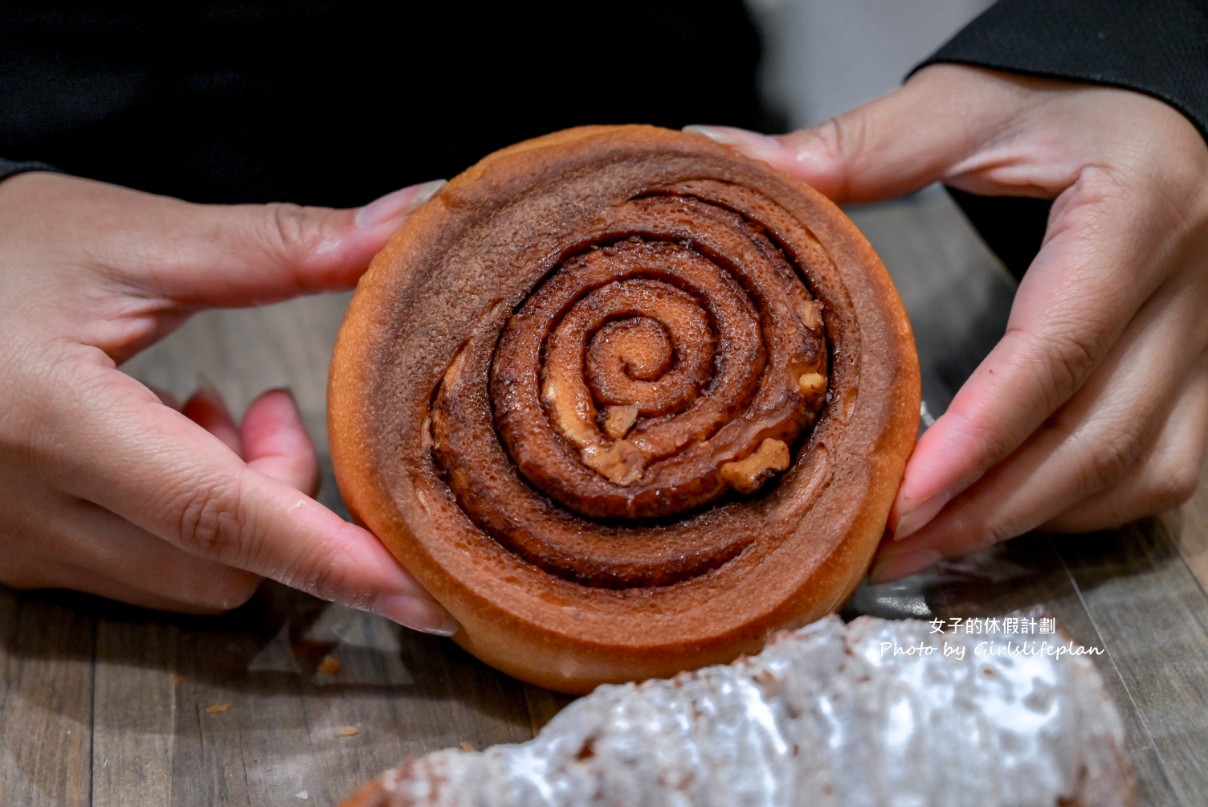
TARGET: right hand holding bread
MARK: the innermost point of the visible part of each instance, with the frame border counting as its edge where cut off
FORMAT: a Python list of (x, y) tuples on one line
[(1092, 410), (106, 488)]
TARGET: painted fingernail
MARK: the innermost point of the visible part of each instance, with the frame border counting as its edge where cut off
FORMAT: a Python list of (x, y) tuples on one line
[(417, 613), (206, 401), (902, 565), (919, 516), (397, 204), (284, 391), (207, 387)]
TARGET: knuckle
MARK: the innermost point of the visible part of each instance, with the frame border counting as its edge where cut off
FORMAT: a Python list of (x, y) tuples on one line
[(845, 134), (980, 531), (989, 532), (1176, 485), (284, 228), (972, 435), (1101, 452), (830, 145), (210, 523), (284, 232), (320, 576), (842, 137), (974, 524), (1100, 186), (294, 235), (1076, 351), (1058, 361), (321, 571), (1109, 462), (286, 220)]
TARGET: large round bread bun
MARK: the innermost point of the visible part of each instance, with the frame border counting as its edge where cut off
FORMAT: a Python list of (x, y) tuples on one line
[(625, 402)]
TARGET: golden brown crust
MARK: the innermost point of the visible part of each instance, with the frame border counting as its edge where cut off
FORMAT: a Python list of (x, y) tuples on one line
[(584, 549)]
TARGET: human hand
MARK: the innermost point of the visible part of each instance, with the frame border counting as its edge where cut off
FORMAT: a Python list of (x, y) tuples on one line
[(107, 488), (1092, 410)]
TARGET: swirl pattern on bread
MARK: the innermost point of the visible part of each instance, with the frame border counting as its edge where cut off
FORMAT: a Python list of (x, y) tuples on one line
[(625, 402)]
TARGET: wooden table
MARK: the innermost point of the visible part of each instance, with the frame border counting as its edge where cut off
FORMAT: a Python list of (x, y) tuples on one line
[(106, 705)]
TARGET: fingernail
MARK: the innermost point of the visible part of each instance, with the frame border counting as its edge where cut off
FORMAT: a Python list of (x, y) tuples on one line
[(207, 394), (396, 204), (417, 613), (286, 391), (207, 387), (926, 419), (919, 516), (902, 565), (753, 143), (723, 135)]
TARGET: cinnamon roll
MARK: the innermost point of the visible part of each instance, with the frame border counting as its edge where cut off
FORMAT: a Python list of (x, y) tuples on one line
[(625, 402)]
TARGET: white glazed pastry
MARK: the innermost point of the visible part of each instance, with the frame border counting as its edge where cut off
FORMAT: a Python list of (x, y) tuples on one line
[(828, 715)]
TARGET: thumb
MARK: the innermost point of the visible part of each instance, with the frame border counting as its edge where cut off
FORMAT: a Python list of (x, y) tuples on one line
[(241, 255), (181, 256), (899, 143), (165, 474)]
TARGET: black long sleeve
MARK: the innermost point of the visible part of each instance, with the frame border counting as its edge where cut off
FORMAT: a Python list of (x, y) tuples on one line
[(10, 167), (1158, 47), (328, 103)]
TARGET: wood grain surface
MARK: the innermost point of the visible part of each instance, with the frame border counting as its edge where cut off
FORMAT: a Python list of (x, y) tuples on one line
[(292, 701)]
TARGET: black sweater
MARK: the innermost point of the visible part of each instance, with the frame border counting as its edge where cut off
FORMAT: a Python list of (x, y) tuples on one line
[(335, 103)]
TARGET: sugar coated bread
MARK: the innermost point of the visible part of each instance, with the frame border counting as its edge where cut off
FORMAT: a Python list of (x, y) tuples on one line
[(831, 715), (625, 402)]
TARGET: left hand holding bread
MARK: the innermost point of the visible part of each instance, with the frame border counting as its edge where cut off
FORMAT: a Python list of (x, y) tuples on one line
[(107, 488)]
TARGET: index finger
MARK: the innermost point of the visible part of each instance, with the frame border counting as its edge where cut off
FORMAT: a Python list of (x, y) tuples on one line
[(152, 466), (920, 133), (1084, 286)]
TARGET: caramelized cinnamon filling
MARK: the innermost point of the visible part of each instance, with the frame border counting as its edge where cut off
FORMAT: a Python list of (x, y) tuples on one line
[(671, 360)]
